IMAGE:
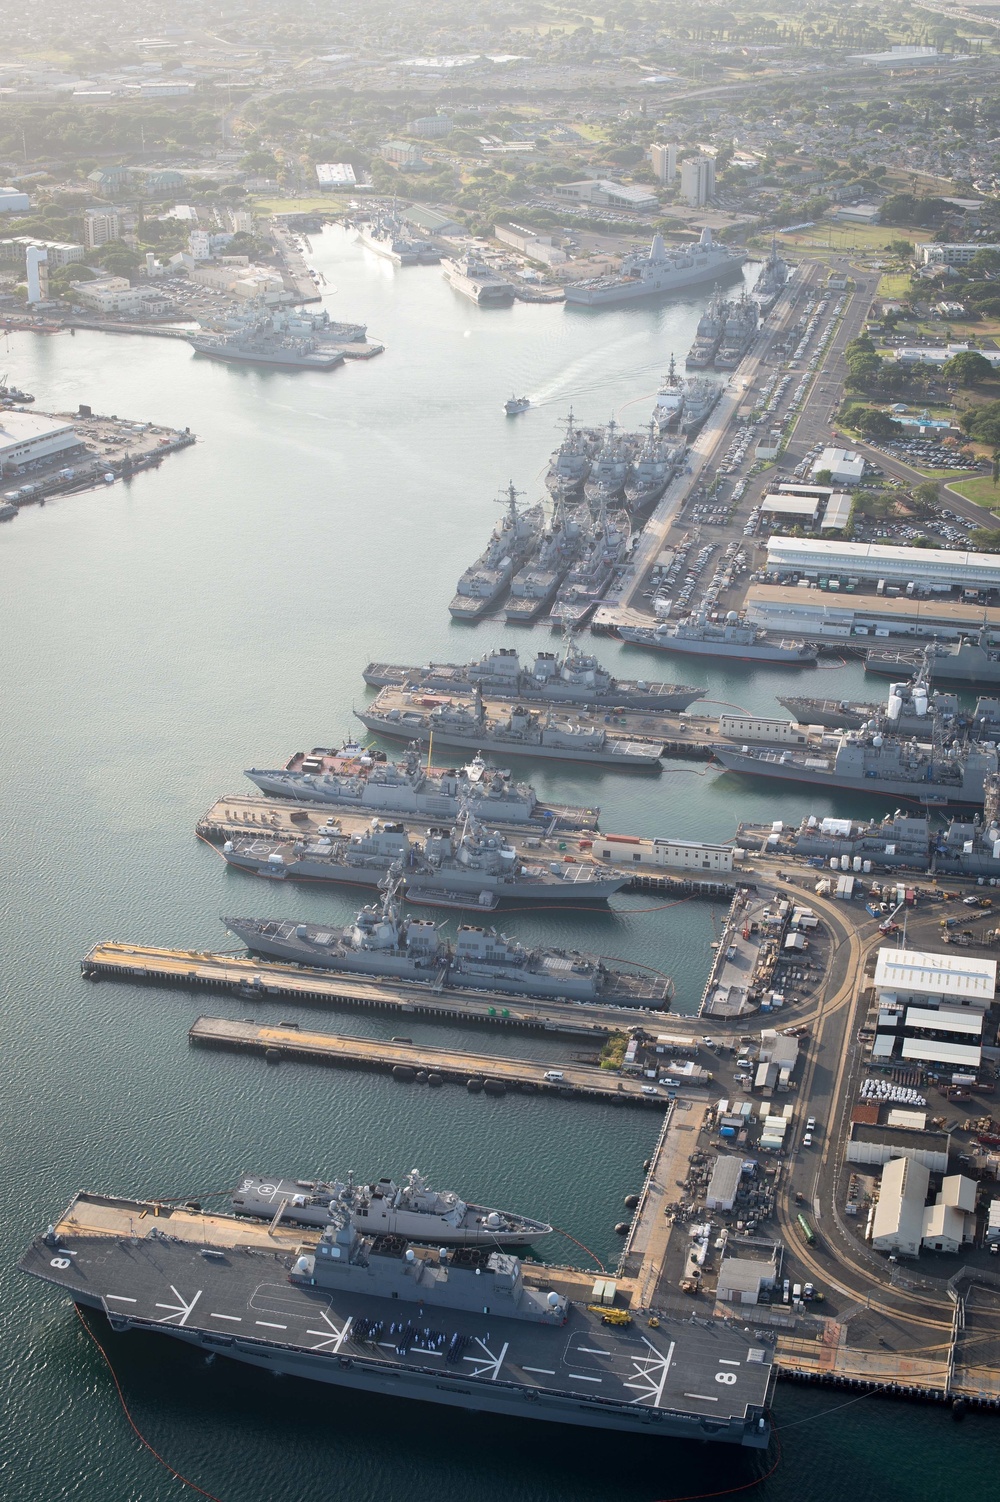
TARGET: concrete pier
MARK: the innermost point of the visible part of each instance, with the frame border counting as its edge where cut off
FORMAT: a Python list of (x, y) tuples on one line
[(490, 1073)]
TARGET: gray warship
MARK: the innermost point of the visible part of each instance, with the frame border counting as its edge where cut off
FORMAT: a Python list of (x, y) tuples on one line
[(386, 234), (588, 581), (291, 337), (573, 678), (381, 942), (659, 272), (971, 659), (461, 1328), (534, 587), (911, 707), (465, 859), (697, 636), (486, 581), (570, 465), (363, 780), (651, 471), (384, 1208), (476, 279), (683, 403), (523, 732)]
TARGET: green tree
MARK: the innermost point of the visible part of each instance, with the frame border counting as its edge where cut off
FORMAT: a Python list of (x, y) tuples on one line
[(873, 424), (968, 368), (987, 259), (985, 539)]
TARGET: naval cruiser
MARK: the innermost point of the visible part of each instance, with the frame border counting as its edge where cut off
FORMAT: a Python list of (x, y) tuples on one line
[(363, 780), (659, 272), (466, 860), (573, 678), (384, 1208), (699, 637), (461, 1327), (523, 732), (383, 943), (486, 581)]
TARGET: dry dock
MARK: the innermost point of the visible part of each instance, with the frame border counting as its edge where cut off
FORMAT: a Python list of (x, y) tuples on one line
[(490, 1073), (251, 979)]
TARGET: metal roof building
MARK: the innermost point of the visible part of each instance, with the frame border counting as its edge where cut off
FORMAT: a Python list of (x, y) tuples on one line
[(909, 975), (898, 1225), (723, 1184), (869, 560)]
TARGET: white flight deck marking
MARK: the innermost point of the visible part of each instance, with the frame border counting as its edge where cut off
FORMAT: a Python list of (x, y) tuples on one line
[(236, 1318), (579, 1377), (336, 1340), (701, 1397), (724, 1362), (543, 1371), (593, 1351), (179, 1311), (267, 1324), (651, 1372), (121, 1297), (489, 1364)]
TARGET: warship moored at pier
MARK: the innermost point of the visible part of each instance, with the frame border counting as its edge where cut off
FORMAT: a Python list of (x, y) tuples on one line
[(514, 539), (659, 272), (461, 1328), (523, 732), (699, 637), (382, 1207), (364, 781), (573, 678)]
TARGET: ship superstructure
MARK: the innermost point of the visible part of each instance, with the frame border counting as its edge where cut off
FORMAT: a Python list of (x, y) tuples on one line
[(772, 280), (589, 580), (697, 636), (261, 335), (738, 333), (477, 280), (386, 234), (570, 465)]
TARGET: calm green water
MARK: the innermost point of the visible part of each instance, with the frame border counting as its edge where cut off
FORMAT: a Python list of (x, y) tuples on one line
[(158, 637)]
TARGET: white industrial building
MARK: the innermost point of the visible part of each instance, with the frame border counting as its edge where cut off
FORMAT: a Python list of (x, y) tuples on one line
[(934, 253), (27, 439), (927, 567), (12, 201), (610, 194), (795, 509), (951, 1037), (845, 467), (777, 1059), (909, 977), (530, 243), (804, 610), (874, 1145), (724, 1183), (685, 855), (742, 1279), (898, 1223), (335, 175), (115, 294)]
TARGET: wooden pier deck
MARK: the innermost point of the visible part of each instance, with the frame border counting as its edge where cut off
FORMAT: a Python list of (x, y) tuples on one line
[(265, 980), (492, 1074)]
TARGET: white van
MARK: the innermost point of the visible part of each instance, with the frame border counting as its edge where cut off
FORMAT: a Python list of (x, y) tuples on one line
[(554, 1074)]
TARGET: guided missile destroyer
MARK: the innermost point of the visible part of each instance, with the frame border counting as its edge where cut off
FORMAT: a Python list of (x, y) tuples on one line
[(381, 942), (523, 732), (467, 859), (699, 637), (574, 678), (384, 1208), (461, 1328), (364, 781), (486, 581)]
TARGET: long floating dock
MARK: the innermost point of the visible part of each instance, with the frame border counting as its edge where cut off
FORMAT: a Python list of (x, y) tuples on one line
[(408, 1062), (265, 980)]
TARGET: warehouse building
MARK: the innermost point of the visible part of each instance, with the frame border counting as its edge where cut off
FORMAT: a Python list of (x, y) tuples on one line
[(724, 1183), (909, 977), (792, 510), (844, 466), (898, 1224), (928, 1035), (335, 175), (928, 567), (28, 441), (873, 1145), (742, 1277), (805, 609)]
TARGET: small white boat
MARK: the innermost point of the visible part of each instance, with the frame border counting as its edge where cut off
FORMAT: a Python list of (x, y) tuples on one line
[(516, 404)]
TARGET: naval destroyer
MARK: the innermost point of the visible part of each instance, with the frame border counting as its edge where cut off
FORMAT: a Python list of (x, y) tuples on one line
[(589, 580), (683, 403), (574, 678), (461, 862), (659, 272), (381, 942), (457, 1327), (384, 1208), (554, 735), (362, 780), (699, 637), (535, 585), (570, 464), (486, 581), (971, 659), (772, 280)]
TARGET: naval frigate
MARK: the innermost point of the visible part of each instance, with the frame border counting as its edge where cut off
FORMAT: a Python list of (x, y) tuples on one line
[(382, 1207), (462, 1328)]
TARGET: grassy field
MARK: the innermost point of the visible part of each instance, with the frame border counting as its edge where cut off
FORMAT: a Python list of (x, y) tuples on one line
[(322, 203), (894, 284), (826, 234), (981, 490)]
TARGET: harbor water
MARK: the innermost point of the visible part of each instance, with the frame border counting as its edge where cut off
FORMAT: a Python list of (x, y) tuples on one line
[(161, 635)]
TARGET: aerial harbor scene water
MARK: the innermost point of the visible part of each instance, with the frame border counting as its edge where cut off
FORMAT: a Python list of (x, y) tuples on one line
[(501, 829)]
